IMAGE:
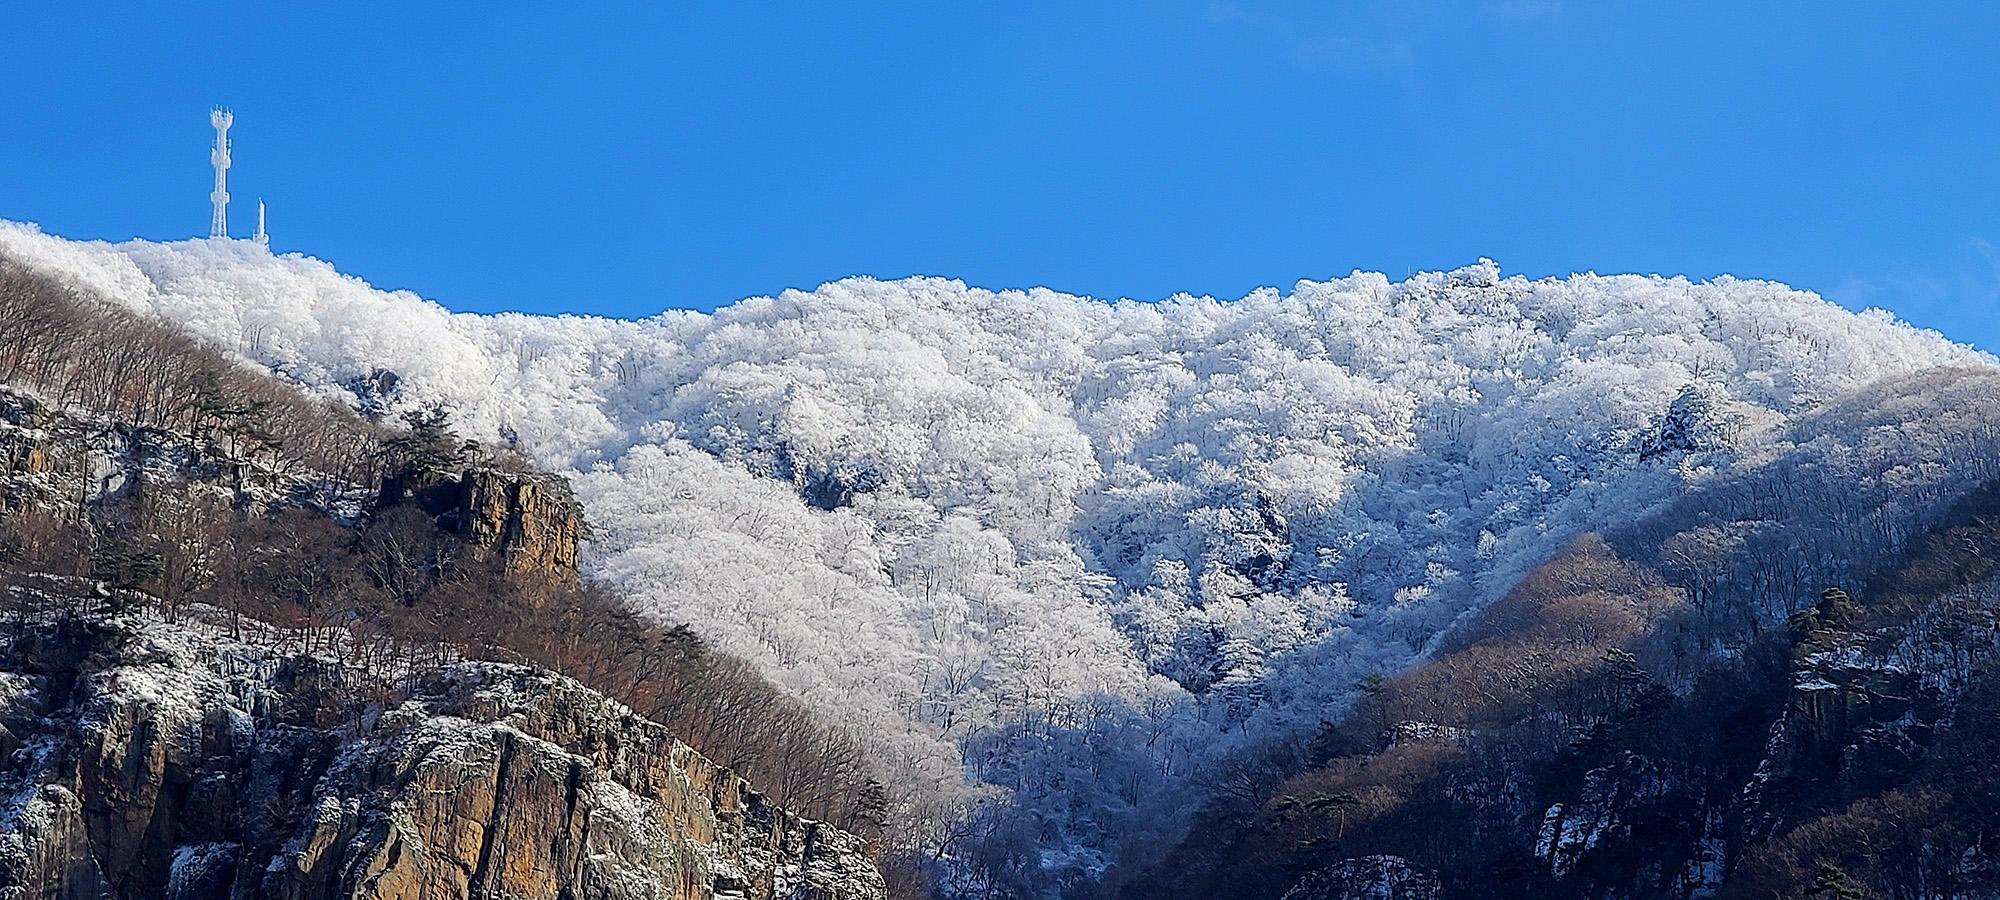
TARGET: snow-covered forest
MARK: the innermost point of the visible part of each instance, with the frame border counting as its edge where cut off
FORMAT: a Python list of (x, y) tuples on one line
[(1052, 557)]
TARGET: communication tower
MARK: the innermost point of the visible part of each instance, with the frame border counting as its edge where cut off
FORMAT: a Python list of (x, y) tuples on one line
[(219, 225), (262, 239)]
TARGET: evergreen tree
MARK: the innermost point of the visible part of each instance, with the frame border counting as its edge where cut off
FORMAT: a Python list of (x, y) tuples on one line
[(240, 422), (871, 806), (121, 565), (1833, 882), (429, 444), (1336, 803)]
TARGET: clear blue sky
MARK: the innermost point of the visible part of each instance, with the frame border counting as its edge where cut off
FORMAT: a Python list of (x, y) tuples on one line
[(624, 159)]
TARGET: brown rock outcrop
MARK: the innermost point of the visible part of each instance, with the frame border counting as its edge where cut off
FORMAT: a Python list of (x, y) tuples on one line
[(530, 519), (28, 451), (162, 761)]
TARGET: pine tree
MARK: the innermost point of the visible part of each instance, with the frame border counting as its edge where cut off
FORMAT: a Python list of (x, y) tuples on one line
[(1834, 882), (1837, 607), (1336, 803), (121, 565), (871, 806), (240, 422), (429, 445)]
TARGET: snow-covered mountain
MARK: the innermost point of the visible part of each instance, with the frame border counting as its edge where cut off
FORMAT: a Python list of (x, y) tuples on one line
[(1076, 550)]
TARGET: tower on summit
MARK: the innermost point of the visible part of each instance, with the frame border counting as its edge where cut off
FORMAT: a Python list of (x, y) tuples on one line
[(262, 239), (221, 119)]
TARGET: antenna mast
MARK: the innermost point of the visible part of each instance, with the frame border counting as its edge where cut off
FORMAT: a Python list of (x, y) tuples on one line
[(221, 119), (262, 239)]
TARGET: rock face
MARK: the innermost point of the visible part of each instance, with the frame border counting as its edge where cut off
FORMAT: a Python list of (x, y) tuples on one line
[(1613, 801), (1860, 716), (47, 460), (1368, 878), (148, 760), (65, 464), (530, 519), (1854, 724)]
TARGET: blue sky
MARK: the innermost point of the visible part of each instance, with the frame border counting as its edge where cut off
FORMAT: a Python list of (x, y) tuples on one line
[(620, 159)]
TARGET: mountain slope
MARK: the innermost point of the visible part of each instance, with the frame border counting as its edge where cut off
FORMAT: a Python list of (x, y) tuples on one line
[(1084, 549), (231, 664), (1574, 742)]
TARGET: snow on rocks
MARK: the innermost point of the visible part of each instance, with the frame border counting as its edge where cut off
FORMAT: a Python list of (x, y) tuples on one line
[(152, 776)]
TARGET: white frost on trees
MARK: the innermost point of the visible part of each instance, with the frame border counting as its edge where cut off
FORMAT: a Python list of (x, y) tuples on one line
[(1074, 548)]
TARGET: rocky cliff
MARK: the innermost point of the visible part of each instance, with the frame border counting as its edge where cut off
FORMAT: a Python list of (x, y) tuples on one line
[(61, 463), (66, 464), (142, 759), (529, 519), (72, 464)]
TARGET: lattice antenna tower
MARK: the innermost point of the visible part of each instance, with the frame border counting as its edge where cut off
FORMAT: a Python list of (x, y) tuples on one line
[(221, 119)]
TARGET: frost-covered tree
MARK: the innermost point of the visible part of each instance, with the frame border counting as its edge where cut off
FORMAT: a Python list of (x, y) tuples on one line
[(1084, 551)]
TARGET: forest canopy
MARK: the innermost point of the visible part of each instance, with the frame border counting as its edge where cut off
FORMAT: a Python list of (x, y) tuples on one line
[(1080, 550)]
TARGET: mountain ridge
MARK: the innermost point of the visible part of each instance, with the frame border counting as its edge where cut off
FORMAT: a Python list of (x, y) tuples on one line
[(992, 525)]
